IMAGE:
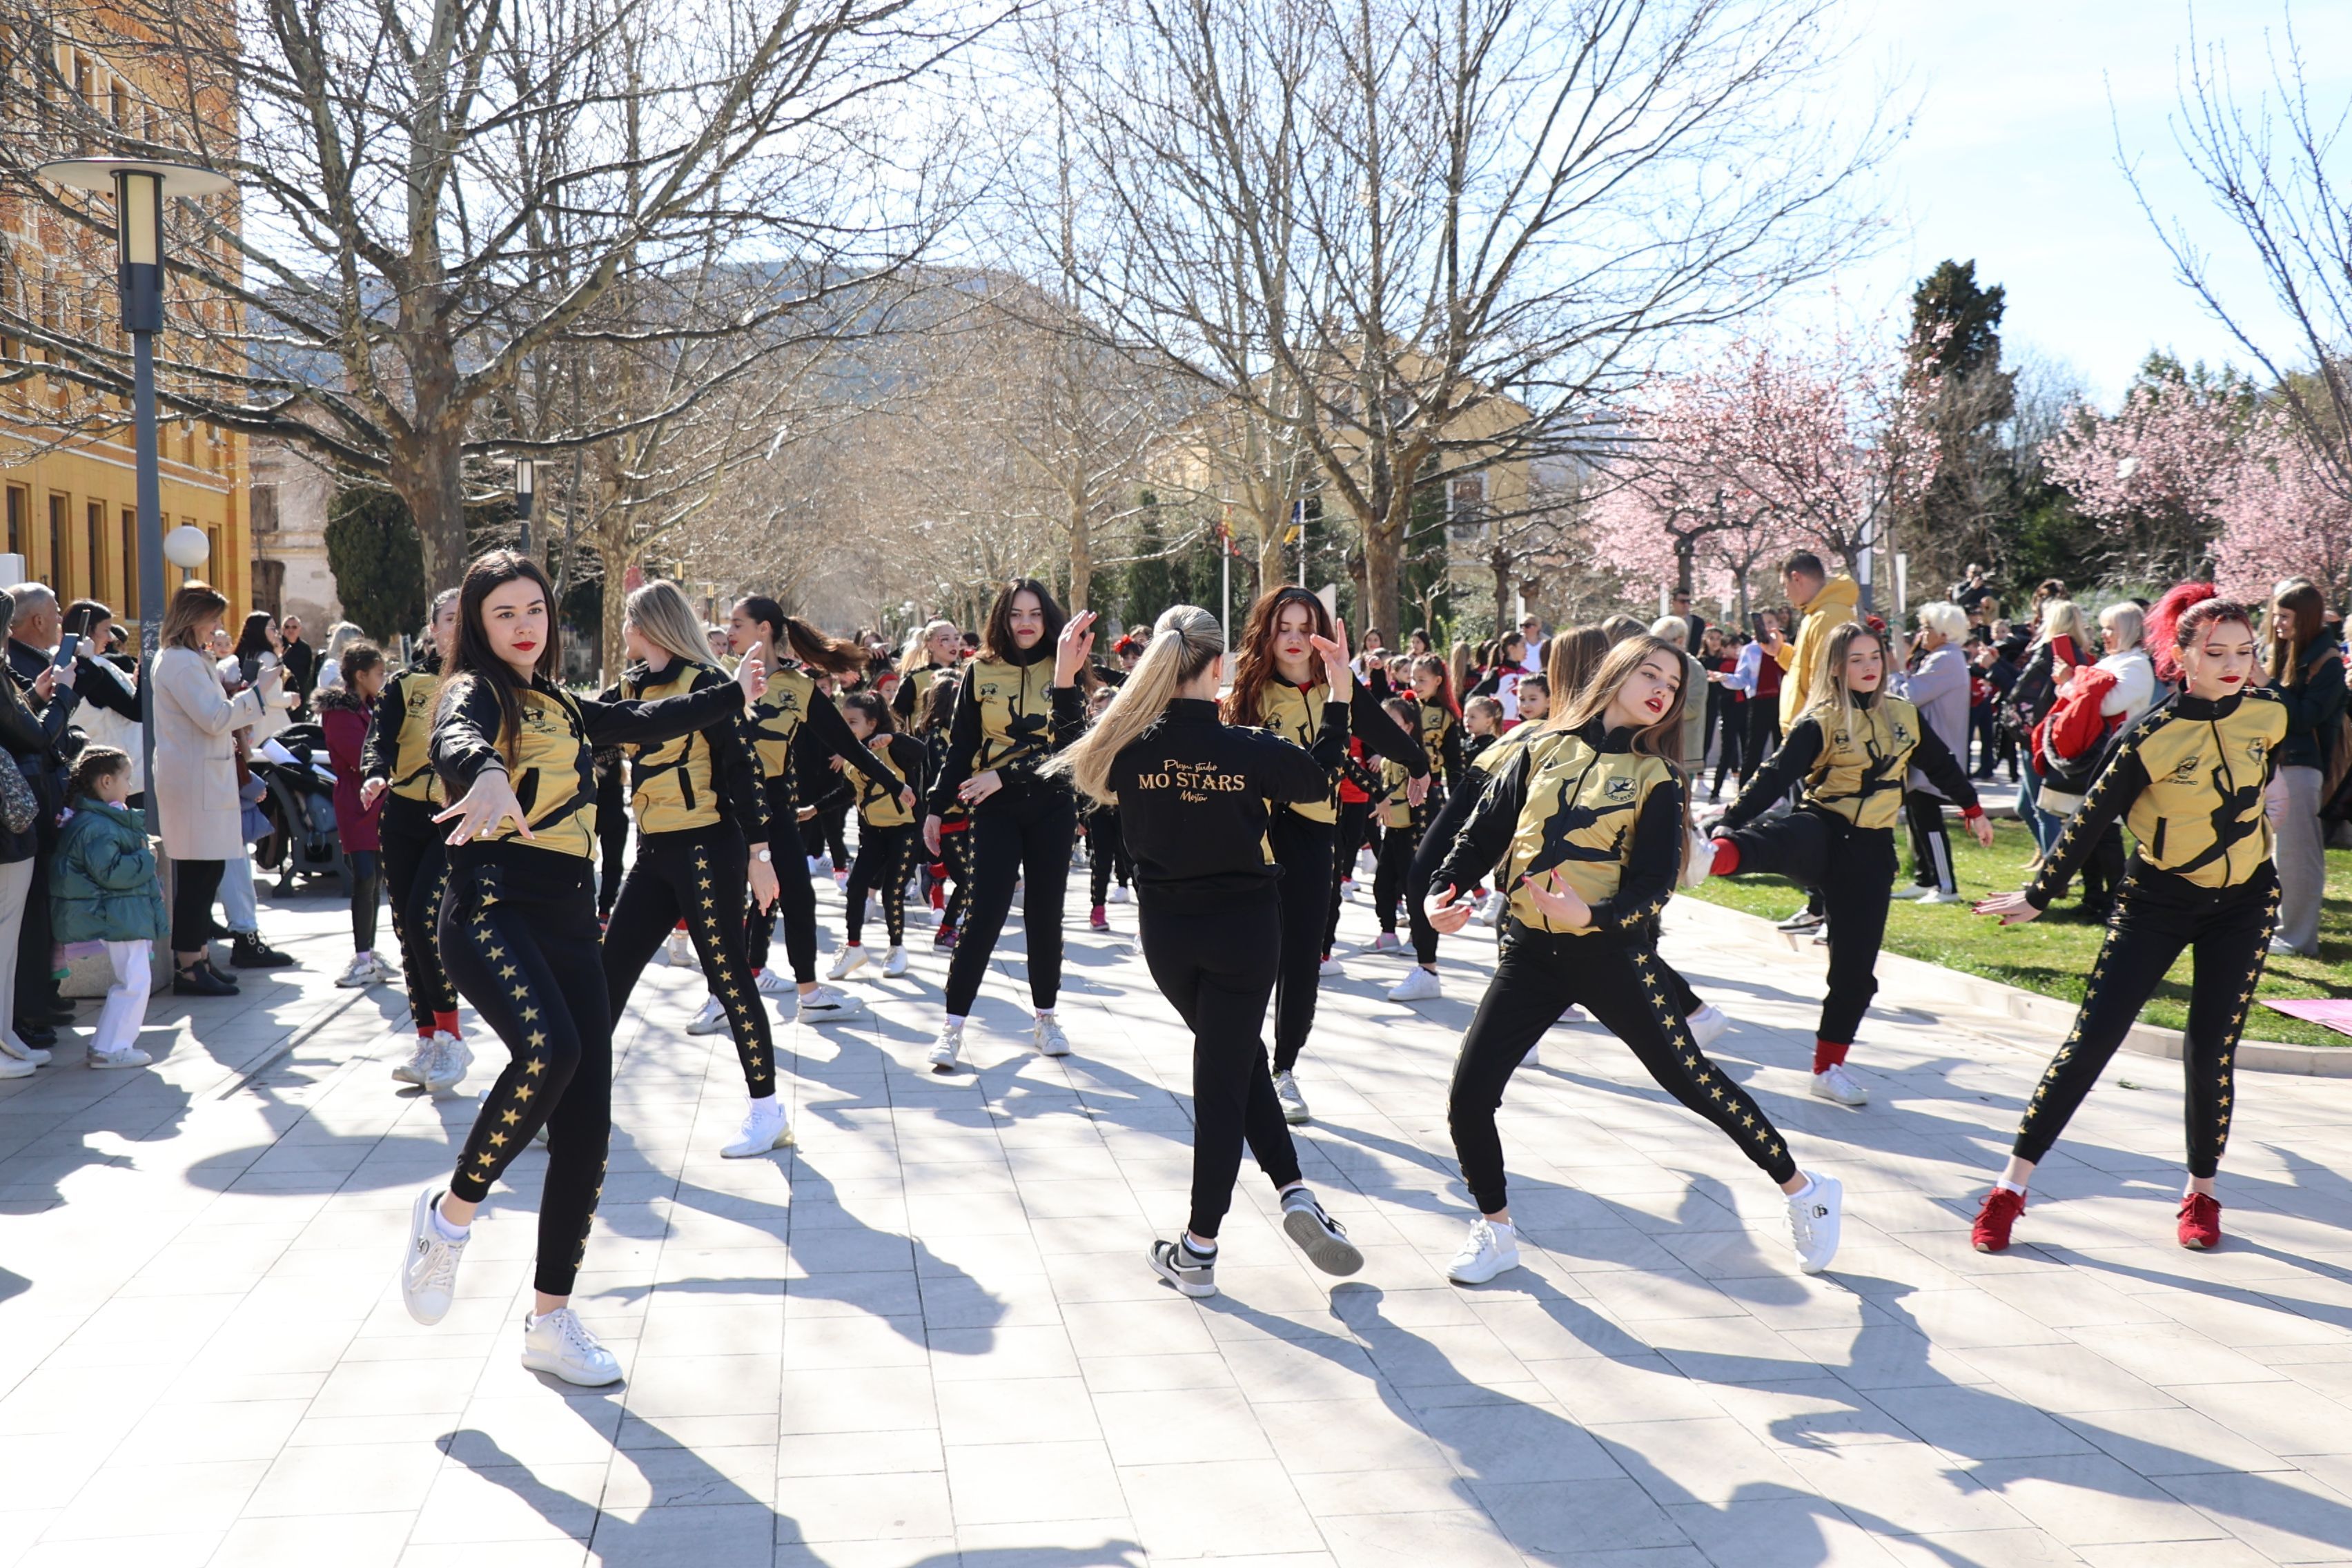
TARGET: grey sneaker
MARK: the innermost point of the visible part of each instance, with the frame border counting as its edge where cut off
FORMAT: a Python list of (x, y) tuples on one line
[(1291, 1098), (1318, 1234), (1174, 1262)]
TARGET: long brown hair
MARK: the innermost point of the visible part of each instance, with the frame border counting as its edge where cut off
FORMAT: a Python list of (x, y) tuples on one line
[(492, 570), (996, 634), (1254, 660), (2299, 605), (826, 655), (1570, 659), (1662, 739)]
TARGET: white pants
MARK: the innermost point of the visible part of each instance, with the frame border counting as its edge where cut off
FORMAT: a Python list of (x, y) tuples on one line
[(2294, 805), (126, 1000), (16, 882)]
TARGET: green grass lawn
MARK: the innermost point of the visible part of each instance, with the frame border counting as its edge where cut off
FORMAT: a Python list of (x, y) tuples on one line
[(2052, 954)]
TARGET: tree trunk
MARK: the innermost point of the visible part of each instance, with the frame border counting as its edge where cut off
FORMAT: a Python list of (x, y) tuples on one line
[(1384, 565), (1272, 573), (613, 546), (1501, 564), (431, 478), (1082, 555)]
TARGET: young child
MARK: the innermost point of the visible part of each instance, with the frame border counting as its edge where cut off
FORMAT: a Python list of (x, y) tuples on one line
[(1105, 849), (103, 888), (954, 864), (886, 839), (343, 711), (1393, 810), (1483, 717)]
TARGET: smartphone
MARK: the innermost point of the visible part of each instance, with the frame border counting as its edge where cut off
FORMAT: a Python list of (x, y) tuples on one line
[(249, 665), (65, 647), (77, 624)]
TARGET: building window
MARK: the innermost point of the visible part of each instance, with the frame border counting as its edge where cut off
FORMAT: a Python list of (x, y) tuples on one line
[(94, 561), (130, 563), (20, 506), (60, 514)]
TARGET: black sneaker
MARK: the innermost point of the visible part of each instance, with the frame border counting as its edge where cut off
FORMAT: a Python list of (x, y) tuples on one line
[(249, 951), (39, 1037), (198, 980), (48, 1017)]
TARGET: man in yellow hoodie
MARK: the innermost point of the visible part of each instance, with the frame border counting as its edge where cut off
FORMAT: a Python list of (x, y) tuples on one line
[(1827, 603)]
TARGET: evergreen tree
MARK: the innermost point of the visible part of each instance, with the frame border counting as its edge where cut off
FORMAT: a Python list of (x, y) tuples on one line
[(377, 559)]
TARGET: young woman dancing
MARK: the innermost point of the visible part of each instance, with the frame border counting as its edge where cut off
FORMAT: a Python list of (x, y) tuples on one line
[(2188, 780), (702, 832), (1591, 832), (396, 766), (1018, 706), (1850, 750), (952, 862), (1279, 684), (793, 717), (1441, 743), (930, 653), (886, 837), (1195, 795), (518, 935)]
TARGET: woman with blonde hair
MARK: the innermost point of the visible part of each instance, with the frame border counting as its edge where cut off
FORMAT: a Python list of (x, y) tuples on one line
[(929, 654), (1194, 796)]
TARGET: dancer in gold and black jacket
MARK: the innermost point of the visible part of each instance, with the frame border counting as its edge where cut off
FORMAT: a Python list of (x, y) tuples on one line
[(702, 832), (1278, 684), (887, 836), (2188, 779), (1018, 705), (795, 719), (1591, 831), (1850, 750), (1195, 795), (519, 934)]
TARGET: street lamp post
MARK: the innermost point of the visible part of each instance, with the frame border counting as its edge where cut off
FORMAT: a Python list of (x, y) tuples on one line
[(139, 189), (526, 482)]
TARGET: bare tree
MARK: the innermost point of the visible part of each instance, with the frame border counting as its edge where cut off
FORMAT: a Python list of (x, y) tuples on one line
[(436, 193)]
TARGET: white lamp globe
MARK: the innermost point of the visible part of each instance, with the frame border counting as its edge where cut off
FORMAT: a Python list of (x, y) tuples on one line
[(187, 547)]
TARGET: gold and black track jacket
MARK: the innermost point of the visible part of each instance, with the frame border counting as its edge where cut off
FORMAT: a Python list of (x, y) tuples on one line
[(879, 805), (399, 745), (695, 780), (794, 712), (1009, 717), (1856, 772), (1295, 713)]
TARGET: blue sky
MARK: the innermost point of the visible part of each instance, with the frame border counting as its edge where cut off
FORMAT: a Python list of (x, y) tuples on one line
[(2012, 162)]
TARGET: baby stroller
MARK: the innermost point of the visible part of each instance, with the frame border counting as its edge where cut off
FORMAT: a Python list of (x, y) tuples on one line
[(298, 806)]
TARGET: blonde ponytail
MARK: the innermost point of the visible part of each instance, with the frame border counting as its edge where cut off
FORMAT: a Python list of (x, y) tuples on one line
[(659, 613), (1185, 641)]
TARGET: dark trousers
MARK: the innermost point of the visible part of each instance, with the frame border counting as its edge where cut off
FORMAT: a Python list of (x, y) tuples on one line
[(612, 838), (1302, 900), (955, 853), (1728, 762), (2156, 916), (823, 836), (1408, 856), (1931, 841), (522, 949), (1851, 870), (194, 885), (1025, 839), (2102, 868), (1106, 853), (1763, 736), (1217, 969), (366, 868), (1539, 977), (417, 875), (36, 962), (1428, 854), (1983, 734), (886, 864), (692, 875), (1349, 835), (795, 899)]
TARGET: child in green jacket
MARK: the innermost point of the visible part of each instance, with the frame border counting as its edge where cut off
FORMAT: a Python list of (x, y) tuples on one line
[(103, 889)]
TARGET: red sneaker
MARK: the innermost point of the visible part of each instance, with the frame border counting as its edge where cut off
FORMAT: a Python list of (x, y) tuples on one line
[(1999, 1211), (2200, 1221), (1097, 920)]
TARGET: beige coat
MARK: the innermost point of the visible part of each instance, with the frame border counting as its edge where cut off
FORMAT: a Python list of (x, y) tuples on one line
[(195, 787)]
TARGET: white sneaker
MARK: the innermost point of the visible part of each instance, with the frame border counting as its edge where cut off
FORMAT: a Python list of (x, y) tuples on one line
[(1834, 1082), (447, 1065), (846, 962), (894, 964), (1706, 1024), (458, 1049), (1914, 891), (127, 1057), (385, 974), (1049, 1037), (1318, 1234), (14, 1067), (1940, 896), (1385, 943), (560, 1345), (1291, 1098), (945, 1046), (1490, 912), (1813, 1216), (819, 865), (710, 1020), (1420, 985), (1332, 969), (31, 1056), (1486, 1251), (428, 1267), (765, 1126), (420, 1060), (1119, 894), (360, 972), (773, 983), (826, 1005), (681, 950), (2282, 948), (1348, 890)]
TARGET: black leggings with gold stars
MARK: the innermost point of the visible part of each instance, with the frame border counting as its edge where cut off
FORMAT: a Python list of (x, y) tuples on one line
[(2227, 932), (886, 864), (519, 940), (696, 875), (1633, 995)]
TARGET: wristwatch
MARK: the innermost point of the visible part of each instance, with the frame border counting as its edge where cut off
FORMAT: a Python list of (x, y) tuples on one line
[(764, 858)]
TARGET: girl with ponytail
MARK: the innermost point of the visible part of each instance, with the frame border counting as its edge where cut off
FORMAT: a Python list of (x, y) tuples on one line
[(1194, 796), (2188, 778)]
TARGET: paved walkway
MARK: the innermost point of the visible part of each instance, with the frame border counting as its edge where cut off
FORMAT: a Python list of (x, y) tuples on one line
[(928, 1336)]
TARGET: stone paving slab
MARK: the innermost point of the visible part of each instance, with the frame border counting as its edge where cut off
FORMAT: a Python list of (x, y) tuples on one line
[(926, 1336)]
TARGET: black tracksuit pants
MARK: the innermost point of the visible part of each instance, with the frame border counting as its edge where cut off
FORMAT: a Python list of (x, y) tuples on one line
[(1931, 841), (1851, 870), (1217, 969), (1539, 977), (366, 869), (886, 864), (521, 944), (416, 873), (2157, 917), (1763, 736), (955, 853), (612, 836), (795, 899), (1025, 839), (1106, 854), (692, 875), (1303, 904), (1400, 858), (1349, 836), (1430, 854)]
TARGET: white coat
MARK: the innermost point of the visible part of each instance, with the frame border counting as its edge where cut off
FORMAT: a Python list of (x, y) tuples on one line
[(195, 787)]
